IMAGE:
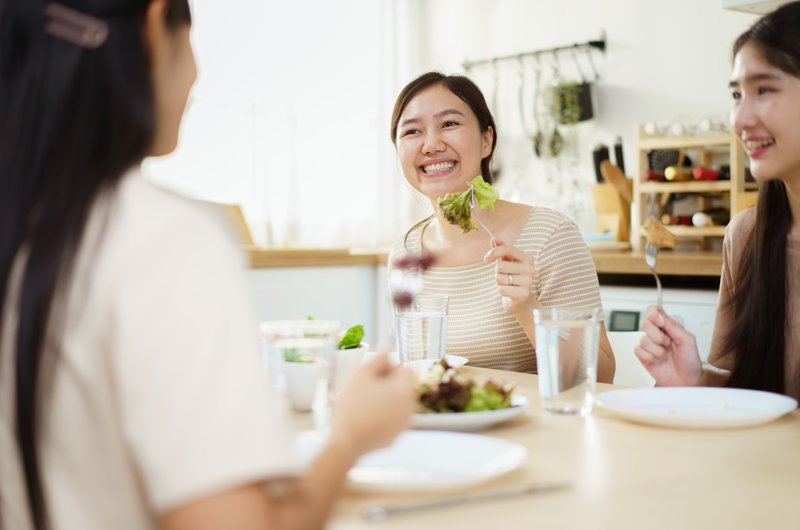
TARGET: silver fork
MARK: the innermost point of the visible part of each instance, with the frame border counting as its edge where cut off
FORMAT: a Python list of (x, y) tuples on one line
[(475, 216), (650, 255)]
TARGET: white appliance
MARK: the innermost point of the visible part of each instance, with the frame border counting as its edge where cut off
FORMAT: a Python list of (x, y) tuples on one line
[(753, 6), (624, 308)]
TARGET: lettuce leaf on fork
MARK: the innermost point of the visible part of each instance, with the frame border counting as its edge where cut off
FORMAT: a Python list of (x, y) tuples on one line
[(457, 207)]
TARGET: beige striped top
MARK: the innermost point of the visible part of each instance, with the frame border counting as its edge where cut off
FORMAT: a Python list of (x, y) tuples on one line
[(478, 327)]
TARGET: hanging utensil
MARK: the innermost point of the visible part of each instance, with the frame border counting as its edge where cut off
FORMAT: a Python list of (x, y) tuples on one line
[(556, 140), (521, 96), (537, 137), (496, 164)]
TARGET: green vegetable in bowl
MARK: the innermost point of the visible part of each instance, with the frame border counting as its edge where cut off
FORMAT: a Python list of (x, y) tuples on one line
[(457, 207), (352, 337), (349, 339)]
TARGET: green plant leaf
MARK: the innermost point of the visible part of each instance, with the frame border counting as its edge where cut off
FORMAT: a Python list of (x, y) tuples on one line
[(352, 337)]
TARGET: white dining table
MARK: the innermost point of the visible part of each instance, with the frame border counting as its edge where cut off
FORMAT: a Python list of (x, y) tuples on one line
[(620, 475)]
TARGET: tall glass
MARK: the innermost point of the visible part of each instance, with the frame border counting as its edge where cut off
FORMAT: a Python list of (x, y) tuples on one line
[(567, 342), (421, 330)]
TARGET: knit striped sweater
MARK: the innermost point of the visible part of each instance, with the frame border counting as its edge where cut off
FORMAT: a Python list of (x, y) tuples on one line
[(478, 327)]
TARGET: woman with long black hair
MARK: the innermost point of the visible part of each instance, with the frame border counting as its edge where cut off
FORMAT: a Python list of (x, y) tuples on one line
[(131, 391), (756, 341)]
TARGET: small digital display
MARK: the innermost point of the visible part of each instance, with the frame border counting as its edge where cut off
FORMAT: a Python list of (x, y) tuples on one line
[(624, 321)]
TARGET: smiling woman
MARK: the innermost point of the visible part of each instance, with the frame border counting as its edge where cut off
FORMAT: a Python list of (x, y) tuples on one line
[(287, 116), (523, 257)]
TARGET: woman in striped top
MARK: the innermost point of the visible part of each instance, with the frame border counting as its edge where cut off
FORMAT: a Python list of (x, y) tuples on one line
[(445, 135)]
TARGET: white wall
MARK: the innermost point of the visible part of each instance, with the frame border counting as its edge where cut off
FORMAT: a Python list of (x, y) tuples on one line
[(666, 62)]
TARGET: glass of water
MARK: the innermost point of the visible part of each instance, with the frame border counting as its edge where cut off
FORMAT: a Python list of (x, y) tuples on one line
[(421, 330), (567, 342)]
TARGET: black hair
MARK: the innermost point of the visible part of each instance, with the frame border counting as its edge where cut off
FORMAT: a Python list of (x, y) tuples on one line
[(72, 121), (757, 340)]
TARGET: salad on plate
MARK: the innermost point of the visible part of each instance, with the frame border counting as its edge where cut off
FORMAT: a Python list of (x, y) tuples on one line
[(443, 389)]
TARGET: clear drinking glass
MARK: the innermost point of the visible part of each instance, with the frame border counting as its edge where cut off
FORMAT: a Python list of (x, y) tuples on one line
[(300, 356), (567, 342), (421, 330)]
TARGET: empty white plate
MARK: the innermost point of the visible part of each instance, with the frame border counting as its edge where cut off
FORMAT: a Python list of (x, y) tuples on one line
[(429, 460), (697, 407), (435, 460)]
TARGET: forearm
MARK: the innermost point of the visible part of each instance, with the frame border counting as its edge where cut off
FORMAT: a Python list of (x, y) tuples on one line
[(309, 504), (291, 504), (606, 364), (713, 377)]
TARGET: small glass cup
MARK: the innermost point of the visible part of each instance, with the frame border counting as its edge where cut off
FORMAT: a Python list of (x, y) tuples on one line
[(421, 330), (300, 356), (567, 342)]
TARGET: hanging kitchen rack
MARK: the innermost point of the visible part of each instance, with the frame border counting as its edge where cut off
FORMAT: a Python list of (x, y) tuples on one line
[(586, 47)]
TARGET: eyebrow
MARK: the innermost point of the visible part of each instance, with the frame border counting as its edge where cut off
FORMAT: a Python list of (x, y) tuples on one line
[(755, 78), (438, 114)]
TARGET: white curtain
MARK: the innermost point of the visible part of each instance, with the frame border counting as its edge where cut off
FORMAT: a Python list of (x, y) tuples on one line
[(290, 116)]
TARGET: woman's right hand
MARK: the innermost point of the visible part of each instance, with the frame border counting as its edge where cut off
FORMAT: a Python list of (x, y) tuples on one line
[(374, 407), (668, 350)]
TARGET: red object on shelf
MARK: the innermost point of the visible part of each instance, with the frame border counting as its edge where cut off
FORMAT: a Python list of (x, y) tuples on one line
[(655, 175), (705, 173)]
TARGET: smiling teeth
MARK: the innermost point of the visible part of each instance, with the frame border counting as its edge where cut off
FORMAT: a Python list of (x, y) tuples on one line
[(433, 168), (753, 144)]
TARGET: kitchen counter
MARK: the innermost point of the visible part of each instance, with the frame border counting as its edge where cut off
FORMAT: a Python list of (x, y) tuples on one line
[(669, 263), (606, 261), (262, 258)]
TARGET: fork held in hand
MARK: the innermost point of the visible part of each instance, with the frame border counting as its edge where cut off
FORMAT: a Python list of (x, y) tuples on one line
[(650, 255), (475, 216)]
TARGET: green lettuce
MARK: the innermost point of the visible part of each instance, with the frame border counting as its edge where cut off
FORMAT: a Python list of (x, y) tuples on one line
[(457, 207)]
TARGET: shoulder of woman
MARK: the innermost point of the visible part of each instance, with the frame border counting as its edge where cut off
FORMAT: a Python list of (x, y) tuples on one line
[(741, 224), (544, 218), (146, 214)]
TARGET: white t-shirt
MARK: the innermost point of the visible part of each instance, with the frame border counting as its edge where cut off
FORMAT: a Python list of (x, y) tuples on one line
[(158, 396)]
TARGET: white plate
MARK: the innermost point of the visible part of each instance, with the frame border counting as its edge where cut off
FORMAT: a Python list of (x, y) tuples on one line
[(453, 360), (697, 407), (428, 460), (469, 421), (433, 460)]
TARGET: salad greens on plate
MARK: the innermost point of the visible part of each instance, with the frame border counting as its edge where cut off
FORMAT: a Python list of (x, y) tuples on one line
[(444, 389)]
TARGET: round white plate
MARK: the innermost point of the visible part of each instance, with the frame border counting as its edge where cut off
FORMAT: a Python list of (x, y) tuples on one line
[(434, 460), (427, 460), (453, 360), (697, 407), (469, 421)]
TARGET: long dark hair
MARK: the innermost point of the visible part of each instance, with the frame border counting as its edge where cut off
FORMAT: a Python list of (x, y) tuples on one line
[(757, 341), (468, 92), (72, 121)]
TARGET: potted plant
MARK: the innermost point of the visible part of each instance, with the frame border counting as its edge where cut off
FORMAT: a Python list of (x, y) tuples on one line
[(349, 355), (572, 102)]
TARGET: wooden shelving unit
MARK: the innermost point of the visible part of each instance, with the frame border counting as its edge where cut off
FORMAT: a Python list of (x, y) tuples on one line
[(703, 150)]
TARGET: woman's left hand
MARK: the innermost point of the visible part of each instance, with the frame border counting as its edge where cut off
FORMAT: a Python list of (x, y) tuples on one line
[(514, 274)]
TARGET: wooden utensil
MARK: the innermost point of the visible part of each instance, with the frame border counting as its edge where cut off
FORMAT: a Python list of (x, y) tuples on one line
[(614, 176)]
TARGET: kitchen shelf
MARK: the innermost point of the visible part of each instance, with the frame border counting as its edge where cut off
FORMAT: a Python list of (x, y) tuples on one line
[(694, 231), (697, 186), (706, 150), (679, 142)]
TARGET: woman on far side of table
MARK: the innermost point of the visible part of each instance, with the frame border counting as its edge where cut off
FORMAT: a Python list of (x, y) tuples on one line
[(445, 136), (756, 340)]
